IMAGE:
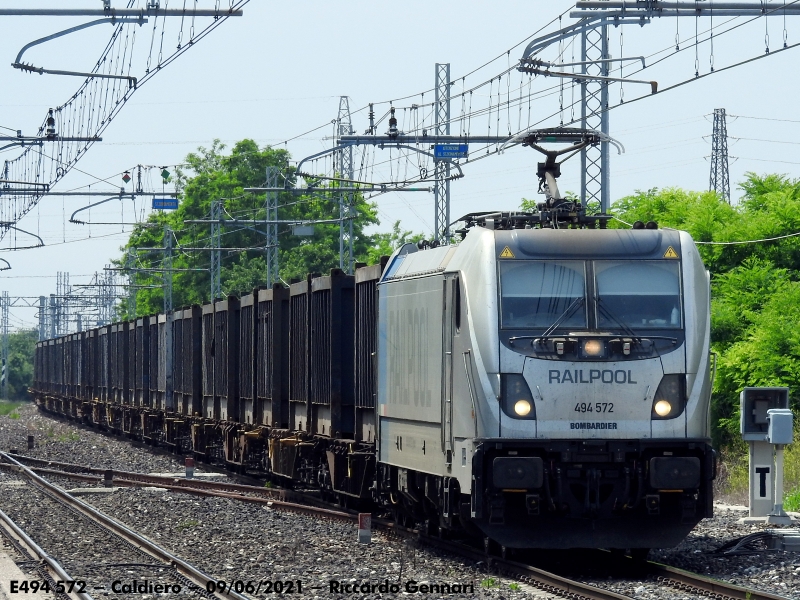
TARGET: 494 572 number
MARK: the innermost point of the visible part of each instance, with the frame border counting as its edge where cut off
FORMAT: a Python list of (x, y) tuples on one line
[(598, 407)]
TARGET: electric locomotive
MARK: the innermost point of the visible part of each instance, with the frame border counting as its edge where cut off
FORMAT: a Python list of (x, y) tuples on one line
[(553, 375)]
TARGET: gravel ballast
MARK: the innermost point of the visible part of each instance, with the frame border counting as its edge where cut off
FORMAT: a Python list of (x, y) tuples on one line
[(237, 541), (247, 542)]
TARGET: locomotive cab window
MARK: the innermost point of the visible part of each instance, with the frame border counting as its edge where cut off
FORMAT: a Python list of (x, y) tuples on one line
[(535, 294), (638, 294)]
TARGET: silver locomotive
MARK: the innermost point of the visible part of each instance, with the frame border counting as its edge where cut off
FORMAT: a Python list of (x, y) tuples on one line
[(555, 382)]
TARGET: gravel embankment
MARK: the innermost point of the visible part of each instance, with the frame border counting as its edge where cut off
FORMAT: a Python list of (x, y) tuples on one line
[(86, 551), (63, 441), (236, 541), (241, 541)]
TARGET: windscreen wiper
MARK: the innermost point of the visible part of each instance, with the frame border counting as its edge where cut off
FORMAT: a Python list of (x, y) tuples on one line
[(567, 313), (626, 328), (540, 338), (611, 316)]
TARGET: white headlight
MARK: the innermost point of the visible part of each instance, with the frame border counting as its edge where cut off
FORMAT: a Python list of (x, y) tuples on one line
[(522, 407), (662, 408)]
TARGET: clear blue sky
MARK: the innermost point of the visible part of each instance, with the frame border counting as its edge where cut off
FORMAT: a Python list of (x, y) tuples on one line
[(279, 71)]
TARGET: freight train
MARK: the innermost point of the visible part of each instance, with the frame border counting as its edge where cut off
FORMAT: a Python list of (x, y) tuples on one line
[(543, 383)]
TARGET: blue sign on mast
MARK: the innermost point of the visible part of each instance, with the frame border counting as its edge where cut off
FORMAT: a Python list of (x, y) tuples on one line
[(449, 151), (165, 203)]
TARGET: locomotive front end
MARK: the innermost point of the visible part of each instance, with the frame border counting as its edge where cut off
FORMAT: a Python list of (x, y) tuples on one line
[(603, 390)]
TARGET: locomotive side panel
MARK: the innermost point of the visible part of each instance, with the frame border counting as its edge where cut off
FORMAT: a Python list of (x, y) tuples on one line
[(698, 359), (410, 373)]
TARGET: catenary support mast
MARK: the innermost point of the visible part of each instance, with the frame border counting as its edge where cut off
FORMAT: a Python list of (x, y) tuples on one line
[(719, 180)]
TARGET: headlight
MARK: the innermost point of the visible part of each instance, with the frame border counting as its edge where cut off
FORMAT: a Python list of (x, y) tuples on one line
[(670, 398), (522, 407), (662, 408), (593, 348), (515, 396)]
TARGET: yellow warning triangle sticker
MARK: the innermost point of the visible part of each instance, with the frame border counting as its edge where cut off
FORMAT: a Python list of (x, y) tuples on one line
[(507, 253), (670, 253)]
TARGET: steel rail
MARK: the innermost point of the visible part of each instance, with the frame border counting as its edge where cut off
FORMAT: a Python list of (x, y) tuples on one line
[(35, 551), (182, 567), (702, 585), (280, 497), (306, 509)]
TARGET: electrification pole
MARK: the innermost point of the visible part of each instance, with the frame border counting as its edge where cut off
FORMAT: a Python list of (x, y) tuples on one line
[(346, 199), (129, 264), (62, 299), (595, 180), (216, 244), (719, 181), (52, 319), (167, 331), (441, 190), (167, 270), (271, 250), (4, 382), (42, 318)]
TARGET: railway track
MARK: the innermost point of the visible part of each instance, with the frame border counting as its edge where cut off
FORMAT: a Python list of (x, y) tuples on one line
[(82, 527), (674, 580), (299, 502), (45, 567)]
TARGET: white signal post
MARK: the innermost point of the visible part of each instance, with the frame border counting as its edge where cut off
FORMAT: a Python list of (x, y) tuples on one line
[(766, 426)]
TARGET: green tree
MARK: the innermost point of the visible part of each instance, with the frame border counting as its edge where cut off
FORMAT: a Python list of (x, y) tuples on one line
[(755, 294), (21, 348), (211, 174), (386, 243)]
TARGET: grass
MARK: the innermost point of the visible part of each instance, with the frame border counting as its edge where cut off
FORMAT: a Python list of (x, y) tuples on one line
[(514, 587), (188, 524), (490, 582), (69, 437), (792, 501), (9, 408)]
